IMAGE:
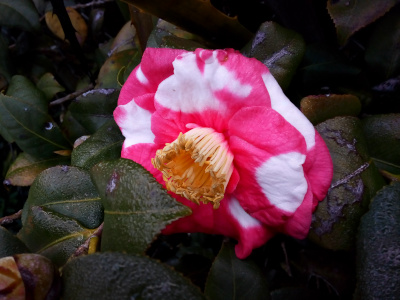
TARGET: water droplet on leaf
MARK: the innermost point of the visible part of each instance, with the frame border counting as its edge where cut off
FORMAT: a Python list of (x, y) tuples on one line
[(48, 126)]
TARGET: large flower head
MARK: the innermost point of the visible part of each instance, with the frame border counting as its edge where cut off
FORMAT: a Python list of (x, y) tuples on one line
[(216, 130)]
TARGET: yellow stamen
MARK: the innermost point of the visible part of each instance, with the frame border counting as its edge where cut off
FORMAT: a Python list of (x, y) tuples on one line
[(197, 165)]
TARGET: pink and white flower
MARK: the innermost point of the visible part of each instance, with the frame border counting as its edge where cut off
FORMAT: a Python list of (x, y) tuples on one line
[(215, 129)]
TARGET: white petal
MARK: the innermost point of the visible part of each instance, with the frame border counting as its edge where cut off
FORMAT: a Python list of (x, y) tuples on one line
[(244, 219), (141, 77), (135, 124), (282, 180), (190, 90), (288, 110)]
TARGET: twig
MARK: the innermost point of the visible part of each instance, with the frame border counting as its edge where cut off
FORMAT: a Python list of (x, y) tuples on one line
[(93, 3), (84, 248), (71, 96), (11, 218)]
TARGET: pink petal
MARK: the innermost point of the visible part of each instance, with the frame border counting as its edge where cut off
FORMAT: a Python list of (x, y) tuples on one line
[(298, 225), (156, 65), (208, 87), (288, 110), (268, 154), (319, 169), (229, 219), (142, 154)]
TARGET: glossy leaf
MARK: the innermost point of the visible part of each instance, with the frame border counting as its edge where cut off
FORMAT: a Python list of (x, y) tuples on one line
[(233, 278), (325, 66), (323, 107), (105, 144), (94, 108), (199, 17), (136, 206), (121, 276), (5, 74), (19, 13), (10, 244), (347, 22), (355, 181), (49, 86), (378, 247), (68, 191), (52, 235), (108, 74), (382, 53), (383, 139), (124, 40), (280, 49), (26, 168), (24, 119)]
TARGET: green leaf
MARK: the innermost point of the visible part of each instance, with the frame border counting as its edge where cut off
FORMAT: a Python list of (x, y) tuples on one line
[(323, 107), (383, 139), (49, 86), (10, 244), (94, 108), (355, 181), (136, 206), (122, 276), (26, 168), (5, 73), (24, 119), (378, 247), (131, 65), (19, 13), (325, 66), (382, 54), (280, 49), (108, 74), (68, 191), (350, 16), (52, 235), (233, 278), (105, 144), (198, 17)]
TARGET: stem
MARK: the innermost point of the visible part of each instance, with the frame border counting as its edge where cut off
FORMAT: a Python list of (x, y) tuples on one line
[(11, 218)]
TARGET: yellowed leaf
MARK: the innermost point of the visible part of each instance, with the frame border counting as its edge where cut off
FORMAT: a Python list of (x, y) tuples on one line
[(77, 21)]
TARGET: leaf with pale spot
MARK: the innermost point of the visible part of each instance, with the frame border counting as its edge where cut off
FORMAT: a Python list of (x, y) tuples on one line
[(136, 206)]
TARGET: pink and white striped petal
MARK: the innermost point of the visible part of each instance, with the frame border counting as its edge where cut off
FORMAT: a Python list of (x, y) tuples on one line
[(210, 83), (135, 124), (156, 65), (288, 110), (269, 156)]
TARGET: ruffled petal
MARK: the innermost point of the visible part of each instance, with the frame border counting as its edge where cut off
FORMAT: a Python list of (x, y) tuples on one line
[(229, 219), (298, 225), (135, 123), (156, 65), (319, 169), (208, 87), (269, 154), (288, 110)]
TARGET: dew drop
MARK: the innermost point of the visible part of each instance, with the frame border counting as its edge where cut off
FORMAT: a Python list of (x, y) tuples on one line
[(48, 126), (25, 109)]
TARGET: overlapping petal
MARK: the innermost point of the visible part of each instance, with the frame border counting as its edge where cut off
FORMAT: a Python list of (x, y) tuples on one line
[(281, 166)]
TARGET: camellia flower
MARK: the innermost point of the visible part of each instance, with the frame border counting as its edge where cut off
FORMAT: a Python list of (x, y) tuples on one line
[(216, 130)]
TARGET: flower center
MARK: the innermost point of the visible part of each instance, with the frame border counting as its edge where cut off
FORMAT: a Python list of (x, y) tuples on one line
[(197, 165)]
